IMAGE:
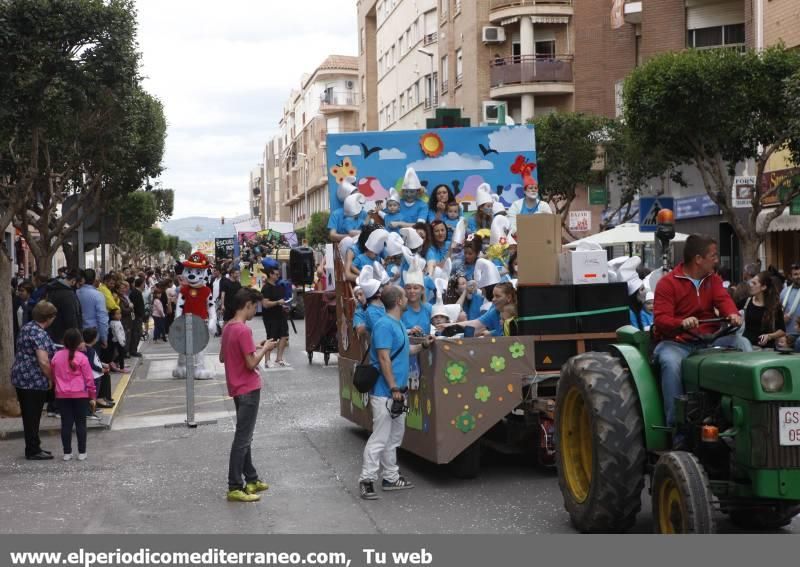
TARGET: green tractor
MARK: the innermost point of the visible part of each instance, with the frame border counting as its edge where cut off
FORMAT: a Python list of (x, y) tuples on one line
[(740, 424)]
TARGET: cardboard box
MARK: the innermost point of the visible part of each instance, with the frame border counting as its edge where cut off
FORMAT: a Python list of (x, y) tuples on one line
[(538, 247), (580, 267)]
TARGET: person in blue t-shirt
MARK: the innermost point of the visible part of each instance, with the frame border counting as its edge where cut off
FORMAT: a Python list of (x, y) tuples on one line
[(438, 202), (392, 219), (360, 312), (390, 350), (371, 240), (412, 208), (439, 250), (348, 220), (490, 323), (452, 217), (417, 315)]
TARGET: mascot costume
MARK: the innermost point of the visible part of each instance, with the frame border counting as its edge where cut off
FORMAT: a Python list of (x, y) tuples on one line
[(196, 298)]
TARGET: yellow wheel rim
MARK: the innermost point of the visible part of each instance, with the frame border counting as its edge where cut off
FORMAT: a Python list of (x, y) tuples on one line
[(671, 511), (576, 445)]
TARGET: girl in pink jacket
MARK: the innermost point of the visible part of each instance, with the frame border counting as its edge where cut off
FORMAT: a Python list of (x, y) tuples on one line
[(75, 391)]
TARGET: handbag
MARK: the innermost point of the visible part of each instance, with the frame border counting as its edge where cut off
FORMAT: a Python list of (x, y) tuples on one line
[(366, 375)]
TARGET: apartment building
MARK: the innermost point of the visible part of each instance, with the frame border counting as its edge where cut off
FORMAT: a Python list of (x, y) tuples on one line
[(327, 101)]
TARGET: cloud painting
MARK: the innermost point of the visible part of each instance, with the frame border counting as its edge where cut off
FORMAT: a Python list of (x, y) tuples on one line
[(451, 161), (513, 140), (391, 153), (348, 150)]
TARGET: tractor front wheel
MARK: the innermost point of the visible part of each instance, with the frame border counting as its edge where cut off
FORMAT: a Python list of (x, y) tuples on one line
[(681, 496), (600, 443)]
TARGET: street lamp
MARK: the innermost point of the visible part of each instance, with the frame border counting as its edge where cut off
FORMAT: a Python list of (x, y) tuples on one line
[(432, 84)]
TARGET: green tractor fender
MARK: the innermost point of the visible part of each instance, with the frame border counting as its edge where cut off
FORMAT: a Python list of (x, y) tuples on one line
[(655, 430)]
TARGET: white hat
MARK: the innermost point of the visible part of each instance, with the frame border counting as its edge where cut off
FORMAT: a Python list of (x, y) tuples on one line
[(484, 195), (377, 240), (451, 311), (613, 268), (414, 276), (627, 273), (346, 188), (346, 244), (393, 195), (444, 272), (354, 204), (410, 236), (380, 273), (650, 296), (500, 227), (460, 232), (366, 279), (394, 244), (486, 273), (411, 181), (498, 208)]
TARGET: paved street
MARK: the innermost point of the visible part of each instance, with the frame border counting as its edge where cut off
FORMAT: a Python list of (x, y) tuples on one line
[(142, 477)]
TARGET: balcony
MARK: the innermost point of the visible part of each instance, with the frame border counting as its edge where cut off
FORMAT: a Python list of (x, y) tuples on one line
[(431, 103), (338, 101), (531, 74), (502, 10), (430, 38)]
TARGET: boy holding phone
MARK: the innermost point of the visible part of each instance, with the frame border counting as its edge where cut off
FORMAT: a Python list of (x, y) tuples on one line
[(241, 357)]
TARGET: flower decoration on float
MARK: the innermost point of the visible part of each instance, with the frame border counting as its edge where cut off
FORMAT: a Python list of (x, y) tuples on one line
[(517, 350), (456, 372), (465, 422), (483, 393), (498, 363)]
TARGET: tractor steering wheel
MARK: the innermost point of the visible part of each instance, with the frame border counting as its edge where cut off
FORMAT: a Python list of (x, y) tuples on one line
[(725, 329)]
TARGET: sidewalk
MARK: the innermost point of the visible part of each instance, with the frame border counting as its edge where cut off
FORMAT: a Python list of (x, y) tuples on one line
[(11, 427)]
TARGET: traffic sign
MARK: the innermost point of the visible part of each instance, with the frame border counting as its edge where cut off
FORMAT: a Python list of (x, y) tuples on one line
[(188, 334), (648, 211)]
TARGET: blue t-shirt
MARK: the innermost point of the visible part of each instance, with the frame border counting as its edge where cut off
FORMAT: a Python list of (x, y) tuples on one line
[(472, 224), (469, 271), (491, 320), (389, 218), (430, 289), (373, 314), (472, 307), (390, 334), (526, 210), (438, 254), (359, 317), (343, 224), (421, 318), (414, 212), (451, 224), (362, 260)]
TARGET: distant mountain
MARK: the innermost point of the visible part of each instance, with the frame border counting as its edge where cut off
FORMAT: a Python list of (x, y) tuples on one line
[(198, 229)]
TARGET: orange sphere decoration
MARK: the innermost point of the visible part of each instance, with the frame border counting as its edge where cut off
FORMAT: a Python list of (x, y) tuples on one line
[(665, 216)]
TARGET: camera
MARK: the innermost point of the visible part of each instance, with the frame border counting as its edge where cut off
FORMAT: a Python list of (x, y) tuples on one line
[(397, 407)]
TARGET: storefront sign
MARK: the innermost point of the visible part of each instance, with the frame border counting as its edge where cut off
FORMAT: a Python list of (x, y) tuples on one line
[(695, 207), (771, 180), (580, 221), (743, 187), (223, 248), (598, 195)]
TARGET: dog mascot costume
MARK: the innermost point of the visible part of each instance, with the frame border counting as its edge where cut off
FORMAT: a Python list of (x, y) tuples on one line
[(195, 298)]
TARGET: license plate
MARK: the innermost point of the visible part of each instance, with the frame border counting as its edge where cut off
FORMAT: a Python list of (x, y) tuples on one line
[(789, 425)]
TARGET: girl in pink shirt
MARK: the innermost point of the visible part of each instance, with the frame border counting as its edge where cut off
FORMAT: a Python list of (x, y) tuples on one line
[(75, 391)]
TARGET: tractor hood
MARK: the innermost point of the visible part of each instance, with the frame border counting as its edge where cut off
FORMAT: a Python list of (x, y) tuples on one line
[(739, 373)]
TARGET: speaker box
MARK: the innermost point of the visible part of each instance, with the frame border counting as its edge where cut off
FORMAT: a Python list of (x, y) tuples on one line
[(552, 355), (301, 266), (547, 300), (601, 296)]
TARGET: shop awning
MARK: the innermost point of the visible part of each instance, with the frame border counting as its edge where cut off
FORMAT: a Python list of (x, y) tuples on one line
[(782, 223), (623, 234)]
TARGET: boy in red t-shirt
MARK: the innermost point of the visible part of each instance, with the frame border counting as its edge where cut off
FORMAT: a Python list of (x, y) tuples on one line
[(240, 356)]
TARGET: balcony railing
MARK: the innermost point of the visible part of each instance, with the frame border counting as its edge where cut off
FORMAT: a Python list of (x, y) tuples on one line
[(431, 103), (338, 98), (445, 86), (496, 4), (430, 38), (523, 69)]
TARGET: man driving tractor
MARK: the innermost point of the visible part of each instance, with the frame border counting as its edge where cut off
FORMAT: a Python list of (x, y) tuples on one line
[(688, 301)]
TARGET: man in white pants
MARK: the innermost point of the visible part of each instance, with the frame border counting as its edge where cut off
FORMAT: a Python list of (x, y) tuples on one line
[(389, 353)]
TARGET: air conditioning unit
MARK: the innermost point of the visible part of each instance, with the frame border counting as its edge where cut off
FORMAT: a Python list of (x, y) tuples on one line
[(493, 34), (350, 85)]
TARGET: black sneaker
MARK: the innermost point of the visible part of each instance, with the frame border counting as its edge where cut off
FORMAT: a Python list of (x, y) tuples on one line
[(400, 484), (367, 489)]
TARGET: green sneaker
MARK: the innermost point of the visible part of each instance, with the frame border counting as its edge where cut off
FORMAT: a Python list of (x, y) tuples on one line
[(254, 487), (240, 495)]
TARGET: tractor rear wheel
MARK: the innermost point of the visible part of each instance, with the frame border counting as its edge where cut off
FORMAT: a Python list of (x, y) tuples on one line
[(681, 496), (769, 517), (600, 443)]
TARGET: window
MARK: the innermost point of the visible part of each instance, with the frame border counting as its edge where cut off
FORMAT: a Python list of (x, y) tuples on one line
[(458, 7), (394, 110), (416, 87), (402, 104), (391, 57), (546, 49), (459, 65), (491, 110), (381, 119), (362, 40), (400, 46), (443, 8), (717, 36), (410, 97), (444, 73)]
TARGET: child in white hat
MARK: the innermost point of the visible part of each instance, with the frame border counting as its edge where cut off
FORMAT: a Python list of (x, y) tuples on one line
[(483, 216), (392, 219), (412, 208)]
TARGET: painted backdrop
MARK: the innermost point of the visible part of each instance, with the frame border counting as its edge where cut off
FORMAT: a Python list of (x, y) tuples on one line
[(461, 158)]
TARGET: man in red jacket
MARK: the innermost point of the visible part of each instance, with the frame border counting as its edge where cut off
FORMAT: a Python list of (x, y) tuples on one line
[(687, 295)]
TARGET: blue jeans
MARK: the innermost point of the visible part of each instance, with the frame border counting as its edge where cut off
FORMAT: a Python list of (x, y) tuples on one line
[(670, 354), (241, 462)]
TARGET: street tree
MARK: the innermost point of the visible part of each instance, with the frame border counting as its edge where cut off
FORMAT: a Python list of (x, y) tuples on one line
[(318, 229), (566, 147), (713, 109), (75, 126), (135, 214)]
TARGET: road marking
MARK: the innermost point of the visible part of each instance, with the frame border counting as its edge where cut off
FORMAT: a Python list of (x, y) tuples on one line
[(119, 391), (181, 389), (159, 410)]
